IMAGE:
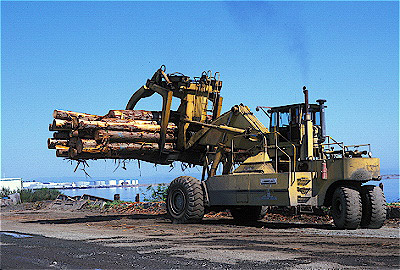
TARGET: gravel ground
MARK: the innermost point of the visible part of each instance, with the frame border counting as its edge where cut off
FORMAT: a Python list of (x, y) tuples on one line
[(91, 239)]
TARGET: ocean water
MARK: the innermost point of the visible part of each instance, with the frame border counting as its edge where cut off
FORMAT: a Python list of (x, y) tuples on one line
[(390, 188)]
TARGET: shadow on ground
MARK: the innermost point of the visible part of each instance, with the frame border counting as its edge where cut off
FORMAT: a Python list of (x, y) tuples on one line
[(162, 218), (98, 218)]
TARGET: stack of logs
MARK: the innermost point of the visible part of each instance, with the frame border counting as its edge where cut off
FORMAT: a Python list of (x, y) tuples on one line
[(118, 134)]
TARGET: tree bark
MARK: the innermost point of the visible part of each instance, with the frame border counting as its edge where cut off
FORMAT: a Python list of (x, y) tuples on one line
[(134, 115), (127, 136), (67, 115), (121, 134), (85, 134), (126, 125), (132, 147), (61, 135), (86, 145)]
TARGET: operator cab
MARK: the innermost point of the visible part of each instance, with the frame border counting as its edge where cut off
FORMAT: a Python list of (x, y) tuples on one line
[(288, 120)]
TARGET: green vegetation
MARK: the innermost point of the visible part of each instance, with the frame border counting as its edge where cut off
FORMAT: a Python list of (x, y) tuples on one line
[(157, 193), (43, 194), (112, 204), (29, 195), (4, 192)]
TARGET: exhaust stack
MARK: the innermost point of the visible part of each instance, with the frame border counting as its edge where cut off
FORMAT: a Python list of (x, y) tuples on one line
[(322, 119), (308, 142)]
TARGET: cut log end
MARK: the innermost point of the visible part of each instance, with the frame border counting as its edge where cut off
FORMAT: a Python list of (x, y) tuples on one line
[(52, 143), (62, 152)]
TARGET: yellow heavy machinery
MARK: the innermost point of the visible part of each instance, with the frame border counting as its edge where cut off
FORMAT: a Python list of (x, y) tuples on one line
[(291, 163)]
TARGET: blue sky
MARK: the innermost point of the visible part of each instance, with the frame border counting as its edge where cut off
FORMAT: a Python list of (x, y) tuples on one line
[(91, 56)]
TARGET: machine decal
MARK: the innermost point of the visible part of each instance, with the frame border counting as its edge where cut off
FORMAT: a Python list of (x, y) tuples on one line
[(268, 196), (268, 181)]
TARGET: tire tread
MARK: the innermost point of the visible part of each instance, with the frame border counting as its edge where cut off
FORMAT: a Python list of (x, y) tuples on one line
[(374, 207), (352, 209), (194, 208)]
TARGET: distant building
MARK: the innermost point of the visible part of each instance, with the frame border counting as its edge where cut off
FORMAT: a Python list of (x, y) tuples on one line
[(112, 182), (124, 182), (32, 185), (11, 183), (101, 183), (82, 184)]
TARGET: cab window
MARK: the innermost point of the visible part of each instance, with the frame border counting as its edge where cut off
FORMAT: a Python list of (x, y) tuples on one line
[(316, 118), (273, 119), (284, 119)]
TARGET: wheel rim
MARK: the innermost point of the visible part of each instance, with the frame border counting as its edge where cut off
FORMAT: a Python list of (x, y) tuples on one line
[(338, 208), (178, 202)]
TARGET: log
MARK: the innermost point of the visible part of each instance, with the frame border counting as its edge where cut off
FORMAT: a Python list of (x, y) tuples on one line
[(87, 145), (59, 124), (153, 156), (52, 143), (123, 121), (73, 141), (62, 152), (61, 135), (67, 115), (86, 134), (72, 152), (133, 147), (119, 151), (109, 155), (129, 136), (126, 125), (150, 157), (134, 115), (91, 146), (105, 122), (121, 134)]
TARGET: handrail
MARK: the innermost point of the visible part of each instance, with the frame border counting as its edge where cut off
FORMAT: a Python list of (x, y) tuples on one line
[(343, 147), (334, 142), (358, 145), (277, 147), (290, 160), (341, 144)]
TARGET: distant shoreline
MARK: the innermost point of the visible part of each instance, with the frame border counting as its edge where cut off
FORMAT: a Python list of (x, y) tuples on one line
[(390, 176), (102, 187)]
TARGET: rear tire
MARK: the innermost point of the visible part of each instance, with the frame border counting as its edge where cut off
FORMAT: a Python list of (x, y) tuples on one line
[(245, 214), (185, 201), (373, 207), (346, 208)]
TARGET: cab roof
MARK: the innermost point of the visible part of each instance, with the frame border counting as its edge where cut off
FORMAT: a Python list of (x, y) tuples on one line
[(286, 108)]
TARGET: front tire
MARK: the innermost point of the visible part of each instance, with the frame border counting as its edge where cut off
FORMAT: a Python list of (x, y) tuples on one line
[(185, 201), (373, 207), (346, 208)]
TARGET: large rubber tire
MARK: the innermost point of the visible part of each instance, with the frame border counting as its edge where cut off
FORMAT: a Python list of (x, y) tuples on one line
[(185, 200), (373, 207), (346, 208), (247, 214)]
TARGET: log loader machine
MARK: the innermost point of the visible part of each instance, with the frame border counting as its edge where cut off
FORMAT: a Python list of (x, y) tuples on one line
[(246, 166), (291, 163)]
